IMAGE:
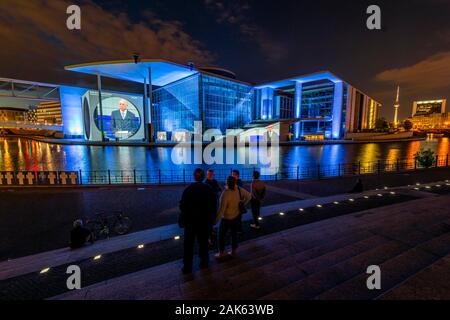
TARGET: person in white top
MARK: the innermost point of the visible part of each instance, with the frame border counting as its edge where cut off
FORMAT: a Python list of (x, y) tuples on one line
[(229, 212)]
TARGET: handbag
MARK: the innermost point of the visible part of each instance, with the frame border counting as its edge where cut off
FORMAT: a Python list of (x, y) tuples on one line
[(242, 208)]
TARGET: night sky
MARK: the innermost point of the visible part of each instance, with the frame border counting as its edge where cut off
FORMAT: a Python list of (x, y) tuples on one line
[(257, 39)]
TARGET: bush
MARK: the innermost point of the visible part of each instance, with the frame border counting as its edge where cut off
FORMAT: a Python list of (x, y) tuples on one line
[(425, 158)]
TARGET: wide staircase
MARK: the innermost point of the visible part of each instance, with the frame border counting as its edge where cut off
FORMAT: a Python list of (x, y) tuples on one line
[(410, 242)]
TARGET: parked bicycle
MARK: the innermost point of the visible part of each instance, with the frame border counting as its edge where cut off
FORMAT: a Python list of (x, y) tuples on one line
[(103, 224)]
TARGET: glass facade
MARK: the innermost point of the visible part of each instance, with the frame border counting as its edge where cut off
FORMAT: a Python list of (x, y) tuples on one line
[(221, 104), (226, 104), (317, 102), (175, 107)]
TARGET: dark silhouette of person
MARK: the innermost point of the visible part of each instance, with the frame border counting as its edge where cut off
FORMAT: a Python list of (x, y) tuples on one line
[(123, 119), (258, 191), (212, 182), (198, 212), (236, 174), (358, 188), (80, 235)]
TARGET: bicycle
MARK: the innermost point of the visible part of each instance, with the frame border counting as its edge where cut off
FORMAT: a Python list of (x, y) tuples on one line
[(102, 225)]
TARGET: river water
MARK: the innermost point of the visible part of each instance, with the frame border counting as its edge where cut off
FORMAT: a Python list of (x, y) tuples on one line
[(24, 154)]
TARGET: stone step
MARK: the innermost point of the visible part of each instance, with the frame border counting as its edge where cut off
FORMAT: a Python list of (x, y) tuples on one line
[(433, 243), (433, 281), (253, 256), (332, 275), (278, 272), (393, 272)]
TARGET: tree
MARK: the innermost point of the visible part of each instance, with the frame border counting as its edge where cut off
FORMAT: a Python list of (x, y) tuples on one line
[(408, 125), (425, 158), (381, 124)]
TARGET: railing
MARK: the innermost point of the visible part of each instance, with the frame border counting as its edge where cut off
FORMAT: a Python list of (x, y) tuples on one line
[(182, 176)]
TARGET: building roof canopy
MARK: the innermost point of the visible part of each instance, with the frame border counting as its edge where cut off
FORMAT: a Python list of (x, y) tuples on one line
[(162, 72), (323, 75)]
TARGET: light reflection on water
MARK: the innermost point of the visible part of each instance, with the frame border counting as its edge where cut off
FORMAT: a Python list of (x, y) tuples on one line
[(25, 154)]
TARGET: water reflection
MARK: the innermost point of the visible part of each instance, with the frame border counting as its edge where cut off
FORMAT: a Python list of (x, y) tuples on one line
[(23, 154)]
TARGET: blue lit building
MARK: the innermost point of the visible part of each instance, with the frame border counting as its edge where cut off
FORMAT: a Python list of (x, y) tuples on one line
[(319, 105), (174, 97), (220, 103)]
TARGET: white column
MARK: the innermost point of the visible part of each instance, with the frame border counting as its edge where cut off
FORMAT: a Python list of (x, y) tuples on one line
[(337, 110), (100, 103)]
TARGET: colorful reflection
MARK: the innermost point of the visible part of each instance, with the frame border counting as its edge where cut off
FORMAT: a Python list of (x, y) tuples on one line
[(23, 154)]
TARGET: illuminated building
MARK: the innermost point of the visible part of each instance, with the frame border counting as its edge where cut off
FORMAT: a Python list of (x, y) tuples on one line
[(321, 106), (424, 108), (175, 97), (49, 113), (430, 115)]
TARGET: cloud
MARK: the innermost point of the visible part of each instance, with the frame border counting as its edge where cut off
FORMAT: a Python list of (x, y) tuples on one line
[(237, 13), (429, 75), (35, 38)]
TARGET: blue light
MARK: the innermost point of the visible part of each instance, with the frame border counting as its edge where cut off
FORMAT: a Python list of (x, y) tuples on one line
[(72, 110), (267, 103), (298, 108), (337, 109)]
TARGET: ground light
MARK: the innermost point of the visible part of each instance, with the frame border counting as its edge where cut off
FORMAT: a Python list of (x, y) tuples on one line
[(385, 188), (427, 187), (438, 185), (392, 192), (366, 197), (44, 270), (260, 218), (380, 195), (98, 257), (301, 209), (417, 184), (141, 246), (336, 202), (319, 206), (351, 200), (281, 213), (177, 238), (416, 189)]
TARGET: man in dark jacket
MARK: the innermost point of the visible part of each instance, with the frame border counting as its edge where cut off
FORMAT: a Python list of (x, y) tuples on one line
[(198, 213)]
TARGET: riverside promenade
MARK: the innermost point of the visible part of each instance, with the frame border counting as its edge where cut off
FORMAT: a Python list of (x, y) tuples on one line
[(37, 219), (309, 248)]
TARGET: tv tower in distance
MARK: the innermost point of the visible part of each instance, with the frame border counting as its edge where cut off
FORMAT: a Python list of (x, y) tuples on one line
[(396, 107)]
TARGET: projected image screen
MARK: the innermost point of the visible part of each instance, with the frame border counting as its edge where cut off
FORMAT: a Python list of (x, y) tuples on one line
[(120, 117)]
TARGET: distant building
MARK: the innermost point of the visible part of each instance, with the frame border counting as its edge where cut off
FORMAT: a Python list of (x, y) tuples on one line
[(11, 114), (427, 115), (49, 113), (424, 108)]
